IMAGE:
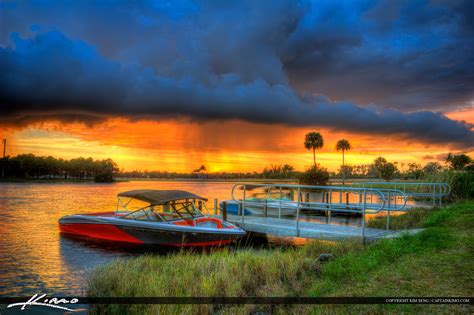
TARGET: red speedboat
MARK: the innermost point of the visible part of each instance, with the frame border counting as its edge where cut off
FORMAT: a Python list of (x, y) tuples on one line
[(170, 217)]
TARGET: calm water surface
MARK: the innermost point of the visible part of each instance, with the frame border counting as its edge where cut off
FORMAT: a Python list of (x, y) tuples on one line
[(35, 258)]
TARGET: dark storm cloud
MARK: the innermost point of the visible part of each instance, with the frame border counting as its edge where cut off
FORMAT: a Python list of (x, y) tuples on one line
[(265, 62), (411, 55)]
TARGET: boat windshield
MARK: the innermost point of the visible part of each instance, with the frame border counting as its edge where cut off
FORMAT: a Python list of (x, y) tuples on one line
[(149, 213), (168, 212), (186, 210)]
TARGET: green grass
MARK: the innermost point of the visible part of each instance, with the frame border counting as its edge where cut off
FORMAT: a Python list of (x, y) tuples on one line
[(435, 262), (409, 220)]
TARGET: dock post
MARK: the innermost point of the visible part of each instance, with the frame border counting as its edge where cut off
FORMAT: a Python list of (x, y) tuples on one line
[(440, 197), (265, 207), (279, 205), (388, 211), (363, 216), (224, 210), (298, 214), (243, 205), (215, 206), (330, 206)]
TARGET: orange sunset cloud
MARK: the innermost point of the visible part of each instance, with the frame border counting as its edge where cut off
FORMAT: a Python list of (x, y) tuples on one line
[(182, 145)]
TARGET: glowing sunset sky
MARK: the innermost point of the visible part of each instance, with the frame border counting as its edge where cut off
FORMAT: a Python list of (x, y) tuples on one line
[(221, 146), (236, 86)]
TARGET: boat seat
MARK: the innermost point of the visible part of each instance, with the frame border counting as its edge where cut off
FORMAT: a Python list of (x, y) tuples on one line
[(209, 222), (184, 223), (205, 223)]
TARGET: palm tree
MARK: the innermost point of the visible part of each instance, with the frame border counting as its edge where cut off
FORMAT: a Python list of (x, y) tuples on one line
[(313, 140), (343, 145)]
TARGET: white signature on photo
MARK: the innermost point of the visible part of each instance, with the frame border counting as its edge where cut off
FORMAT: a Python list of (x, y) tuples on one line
[(41, 300)]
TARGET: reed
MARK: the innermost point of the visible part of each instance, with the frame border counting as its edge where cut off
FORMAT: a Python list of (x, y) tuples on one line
[(225, 272), (461, 182), (408, 220)]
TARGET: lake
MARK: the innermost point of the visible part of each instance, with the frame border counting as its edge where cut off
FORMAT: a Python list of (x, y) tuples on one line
[(35, 258)]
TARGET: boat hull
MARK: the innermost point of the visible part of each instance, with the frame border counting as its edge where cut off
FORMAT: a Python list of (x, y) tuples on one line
[(147, 233)]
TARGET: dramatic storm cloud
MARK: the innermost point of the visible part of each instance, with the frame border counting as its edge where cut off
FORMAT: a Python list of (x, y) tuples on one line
[(296, 63)]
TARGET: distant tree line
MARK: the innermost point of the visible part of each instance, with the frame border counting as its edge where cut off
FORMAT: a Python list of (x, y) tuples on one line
[(318, 175), (285, 171), (191, 175), (30, 166), (380, 168), (383, 169)]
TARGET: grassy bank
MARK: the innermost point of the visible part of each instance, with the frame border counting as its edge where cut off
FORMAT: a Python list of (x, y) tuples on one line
[(435, 262)]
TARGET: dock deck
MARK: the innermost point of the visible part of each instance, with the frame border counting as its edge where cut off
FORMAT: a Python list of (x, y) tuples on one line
[(313, 230), (282, 210)]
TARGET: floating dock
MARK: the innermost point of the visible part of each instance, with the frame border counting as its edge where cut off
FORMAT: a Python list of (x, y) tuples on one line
[(305, 229)]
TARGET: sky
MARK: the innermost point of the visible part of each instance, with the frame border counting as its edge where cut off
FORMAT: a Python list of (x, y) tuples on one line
[(235, 85)]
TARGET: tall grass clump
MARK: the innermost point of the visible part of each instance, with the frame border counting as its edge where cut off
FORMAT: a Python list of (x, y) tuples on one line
[(247, 272), (409, 220), (461, 182)]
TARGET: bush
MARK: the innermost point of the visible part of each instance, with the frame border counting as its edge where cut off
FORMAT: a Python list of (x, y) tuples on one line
[(315, 175), (462, 185), (384, 169), (105, 171)]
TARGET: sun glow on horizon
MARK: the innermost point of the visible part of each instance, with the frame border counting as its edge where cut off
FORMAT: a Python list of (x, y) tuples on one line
[(222, 146)]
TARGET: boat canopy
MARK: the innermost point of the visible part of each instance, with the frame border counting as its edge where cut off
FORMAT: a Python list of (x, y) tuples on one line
[(157, 197)]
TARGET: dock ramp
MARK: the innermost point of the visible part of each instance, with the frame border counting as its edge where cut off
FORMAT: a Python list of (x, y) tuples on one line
[(286, 210), (433, 191)]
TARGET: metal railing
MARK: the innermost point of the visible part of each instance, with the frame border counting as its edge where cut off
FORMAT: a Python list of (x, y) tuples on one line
[(416, 190), (340, 199)]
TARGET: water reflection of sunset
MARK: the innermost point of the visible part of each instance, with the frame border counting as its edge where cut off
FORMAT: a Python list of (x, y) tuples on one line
[(32, 251), (182, 145)]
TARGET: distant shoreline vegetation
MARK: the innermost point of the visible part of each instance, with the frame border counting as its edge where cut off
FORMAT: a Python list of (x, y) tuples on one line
[(32, 168), (39, 168)]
